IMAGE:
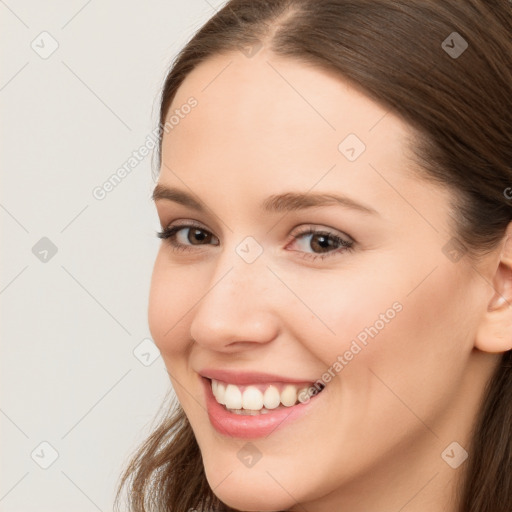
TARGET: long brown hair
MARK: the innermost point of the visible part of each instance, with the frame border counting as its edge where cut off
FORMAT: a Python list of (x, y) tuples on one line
[(404, 55)]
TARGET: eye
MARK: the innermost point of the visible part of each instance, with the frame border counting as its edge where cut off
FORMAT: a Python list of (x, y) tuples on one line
[(323, 243), (182, 237)]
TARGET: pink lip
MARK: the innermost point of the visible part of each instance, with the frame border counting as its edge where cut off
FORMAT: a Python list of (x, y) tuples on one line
[(251, 427), (246, 378)]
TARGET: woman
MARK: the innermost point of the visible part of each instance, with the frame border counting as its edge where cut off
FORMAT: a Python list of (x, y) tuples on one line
[(332, 294)]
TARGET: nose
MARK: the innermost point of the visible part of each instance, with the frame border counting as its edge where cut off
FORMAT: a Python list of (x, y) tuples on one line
[(236, 310)]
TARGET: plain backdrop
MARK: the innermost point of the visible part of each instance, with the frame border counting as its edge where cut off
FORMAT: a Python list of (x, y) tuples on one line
[(81, 380)]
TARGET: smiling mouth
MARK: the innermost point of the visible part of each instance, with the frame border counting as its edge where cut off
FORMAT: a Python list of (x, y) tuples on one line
[(262, 398)]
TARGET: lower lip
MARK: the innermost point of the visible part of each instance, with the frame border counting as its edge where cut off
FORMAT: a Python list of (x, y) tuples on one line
[(251, 427)]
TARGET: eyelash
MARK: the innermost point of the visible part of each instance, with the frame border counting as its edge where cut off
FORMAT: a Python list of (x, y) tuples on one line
[(169, 235)]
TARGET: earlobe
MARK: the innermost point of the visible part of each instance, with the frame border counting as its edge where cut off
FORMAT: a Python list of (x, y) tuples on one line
[(494, 333)]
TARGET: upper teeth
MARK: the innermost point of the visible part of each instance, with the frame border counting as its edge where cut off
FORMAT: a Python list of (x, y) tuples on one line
[(250, 397)]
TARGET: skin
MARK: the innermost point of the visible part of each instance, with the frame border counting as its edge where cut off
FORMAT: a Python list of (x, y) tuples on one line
[(375, 441)]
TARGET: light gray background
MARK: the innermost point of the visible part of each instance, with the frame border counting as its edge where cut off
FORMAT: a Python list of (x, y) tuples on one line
[(71, 322)]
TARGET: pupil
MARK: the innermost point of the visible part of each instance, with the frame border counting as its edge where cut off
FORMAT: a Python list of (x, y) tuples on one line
[(199, 235), (323, 241)]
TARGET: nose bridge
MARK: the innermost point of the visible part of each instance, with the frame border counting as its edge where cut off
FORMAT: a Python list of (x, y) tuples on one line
[(234, 306), (230, 283)]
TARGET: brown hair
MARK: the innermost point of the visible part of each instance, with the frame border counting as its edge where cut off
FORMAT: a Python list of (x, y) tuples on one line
[(398, 53)]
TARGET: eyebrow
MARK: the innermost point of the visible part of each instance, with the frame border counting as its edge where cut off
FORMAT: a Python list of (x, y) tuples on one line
[(290, 201)]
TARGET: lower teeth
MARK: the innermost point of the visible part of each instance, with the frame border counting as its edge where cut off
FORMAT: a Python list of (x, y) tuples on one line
[(252, 412)]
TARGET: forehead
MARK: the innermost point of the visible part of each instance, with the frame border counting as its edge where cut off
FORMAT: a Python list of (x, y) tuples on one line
[(266, 96), (269, 106), (267, 122)]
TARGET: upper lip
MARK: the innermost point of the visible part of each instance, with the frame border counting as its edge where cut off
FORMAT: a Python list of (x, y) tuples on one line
[(248, 377)]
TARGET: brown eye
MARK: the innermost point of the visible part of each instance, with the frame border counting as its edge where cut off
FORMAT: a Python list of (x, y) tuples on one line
[(185, 236), (198, 236), (314, 244), (322, 243)]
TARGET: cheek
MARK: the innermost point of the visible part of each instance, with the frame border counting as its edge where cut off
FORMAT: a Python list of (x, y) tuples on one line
[(334, 312), (171, 296), (412, 310), (416, 339), (419, 357)]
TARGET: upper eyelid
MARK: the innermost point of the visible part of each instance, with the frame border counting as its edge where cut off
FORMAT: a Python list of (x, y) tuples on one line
[(186, 224), (310, 229)]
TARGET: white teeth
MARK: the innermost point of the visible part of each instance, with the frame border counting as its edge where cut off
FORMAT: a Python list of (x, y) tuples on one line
[(232, 397), (221, 392), (271, 397), (289, 396), (252, 400)]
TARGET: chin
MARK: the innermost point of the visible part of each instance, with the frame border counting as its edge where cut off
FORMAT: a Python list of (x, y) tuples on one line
[(245, 494)]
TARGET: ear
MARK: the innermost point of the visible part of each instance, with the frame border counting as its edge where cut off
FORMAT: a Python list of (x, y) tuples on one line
[(495, 330)]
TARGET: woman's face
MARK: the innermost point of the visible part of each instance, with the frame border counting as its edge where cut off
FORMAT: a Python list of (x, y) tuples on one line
[(372, 303)]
